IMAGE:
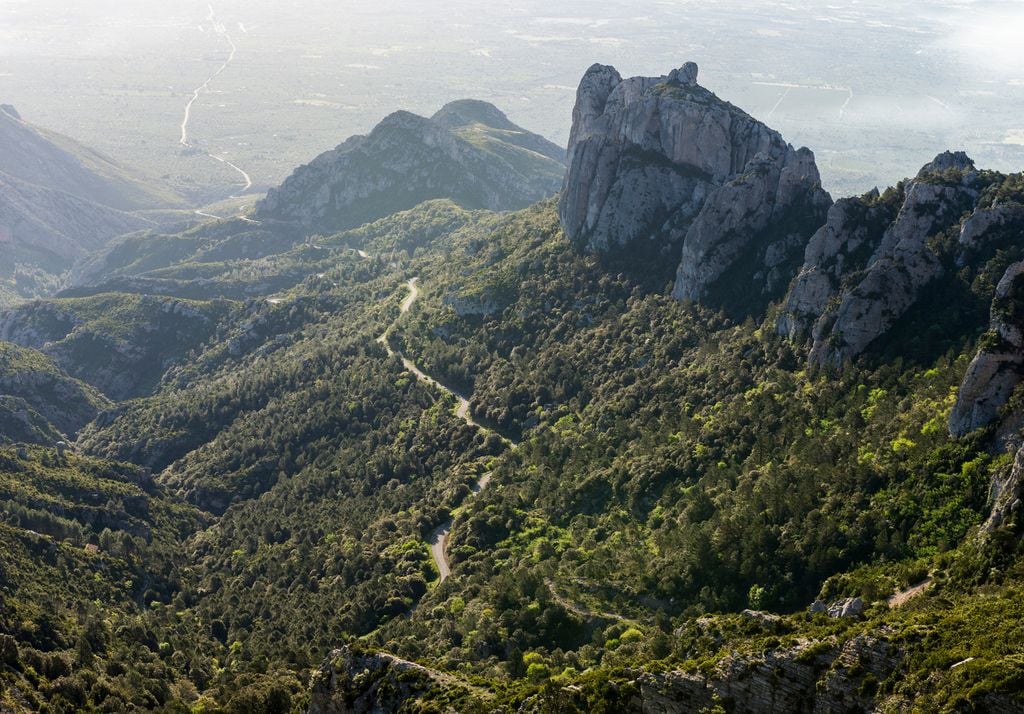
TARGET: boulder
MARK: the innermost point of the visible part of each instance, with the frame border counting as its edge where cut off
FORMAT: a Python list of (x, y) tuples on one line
[(850, 607)]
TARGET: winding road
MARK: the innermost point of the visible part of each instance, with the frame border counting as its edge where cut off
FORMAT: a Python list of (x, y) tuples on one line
[(439, 537)]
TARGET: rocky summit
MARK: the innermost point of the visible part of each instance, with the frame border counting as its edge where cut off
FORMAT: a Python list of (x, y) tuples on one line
[(468, 152), (661, 165)]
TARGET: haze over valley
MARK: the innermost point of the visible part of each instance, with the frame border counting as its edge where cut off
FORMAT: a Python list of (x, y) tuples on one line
[(872, 86)]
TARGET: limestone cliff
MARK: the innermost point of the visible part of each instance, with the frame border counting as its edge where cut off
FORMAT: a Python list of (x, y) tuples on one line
[(868, 265), (852, 232), (999, 364), (662, 165)]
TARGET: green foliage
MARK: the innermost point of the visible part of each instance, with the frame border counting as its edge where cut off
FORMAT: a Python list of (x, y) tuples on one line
[(675, 467)]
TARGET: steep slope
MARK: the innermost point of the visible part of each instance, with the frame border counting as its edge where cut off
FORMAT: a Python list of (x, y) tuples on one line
[(56, 225), (660, 165), (469, 153), (692, 517), (885, 262), (58, 201), (37, 392), (43, 158), (88, 554)]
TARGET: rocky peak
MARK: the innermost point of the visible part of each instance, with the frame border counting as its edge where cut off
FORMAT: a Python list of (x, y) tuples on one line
[(402, 119), (464, 112), (591, 97), (947, 161), (469, 152), (685, 75), (853, 230), (662, 164), (868, 265)]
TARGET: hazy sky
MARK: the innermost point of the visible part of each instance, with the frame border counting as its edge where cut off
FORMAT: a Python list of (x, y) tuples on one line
[(875, 87)]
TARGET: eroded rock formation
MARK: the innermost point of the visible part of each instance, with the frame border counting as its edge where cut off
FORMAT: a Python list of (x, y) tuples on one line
[(661, 164)]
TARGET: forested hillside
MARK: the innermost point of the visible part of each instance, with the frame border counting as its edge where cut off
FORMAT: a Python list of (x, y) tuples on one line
[(275, 445)]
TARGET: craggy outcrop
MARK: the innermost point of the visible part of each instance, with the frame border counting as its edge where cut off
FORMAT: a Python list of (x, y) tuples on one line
[(660, 164), (983, 223), (737, 220), (468, 152), (810, 677), (848, 302), (852, 232), (1005, 492), (999, 364)]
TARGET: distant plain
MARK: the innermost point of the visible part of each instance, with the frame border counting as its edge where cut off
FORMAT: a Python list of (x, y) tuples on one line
[(912, 78)]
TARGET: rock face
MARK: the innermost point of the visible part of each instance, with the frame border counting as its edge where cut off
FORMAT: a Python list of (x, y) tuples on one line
[(662, 164), (983, 222), (852, 232), (1005, 494), (997, 368), (468, 152), (866, 267), (850, 607), (811, 677)]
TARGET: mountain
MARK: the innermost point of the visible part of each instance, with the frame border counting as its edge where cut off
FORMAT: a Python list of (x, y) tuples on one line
[(468, 152), (59, 201), (468, 460), (661, 166), (40, 157)]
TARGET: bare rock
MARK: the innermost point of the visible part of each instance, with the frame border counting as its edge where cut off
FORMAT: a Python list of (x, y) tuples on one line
[(661, 164), (900, 267), (984, 221), (469, 152), (1005, 492), (852, 232), (947, 161), (850, 607), (999, 364), (814, 676), (725, 228)]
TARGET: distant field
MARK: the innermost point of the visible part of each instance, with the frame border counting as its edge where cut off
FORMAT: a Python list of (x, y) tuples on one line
[(300, 83)]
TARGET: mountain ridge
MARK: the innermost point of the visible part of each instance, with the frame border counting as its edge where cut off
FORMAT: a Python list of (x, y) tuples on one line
[(407, 159)]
